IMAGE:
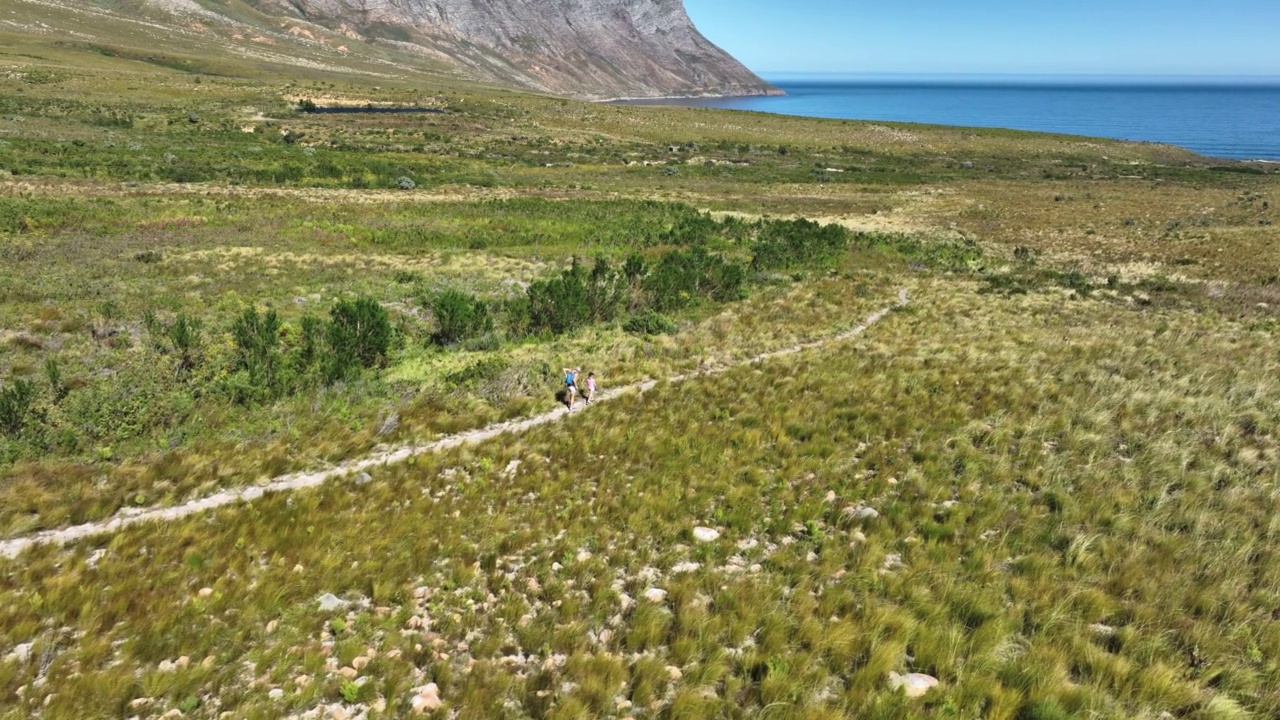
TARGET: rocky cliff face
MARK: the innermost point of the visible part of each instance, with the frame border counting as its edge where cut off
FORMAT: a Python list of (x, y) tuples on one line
[(592, 49)]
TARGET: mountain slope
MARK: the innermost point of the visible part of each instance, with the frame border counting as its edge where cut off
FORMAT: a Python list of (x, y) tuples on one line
[(590, 49), (587, 48)]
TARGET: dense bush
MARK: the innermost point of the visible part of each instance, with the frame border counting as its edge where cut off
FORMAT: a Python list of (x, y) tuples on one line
[(782, 245), (576, 298), (141, 396), (461, 316), (358, 336), (649, 322), (258, 358), (683, 277)]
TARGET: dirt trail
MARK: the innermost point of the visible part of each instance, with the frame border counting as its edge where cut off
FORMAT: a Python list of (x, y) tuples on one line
[(13, 546)]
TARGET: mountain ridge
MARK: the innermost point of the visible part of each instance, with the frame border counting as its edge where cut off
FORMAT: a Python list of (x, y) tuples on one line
[(587, 49)]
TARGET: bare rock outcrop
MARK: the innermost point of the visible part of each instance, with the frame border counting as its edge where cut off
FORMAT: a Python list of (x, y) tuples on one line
[(594, 49)]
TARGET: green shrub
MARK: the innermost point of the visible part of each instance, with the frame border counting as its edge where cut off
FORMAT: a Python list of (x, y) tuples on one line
[(184, 338), (559, 305), (1074, 280), (477, 374), (358, 336), (649, 322), (258, 357), (308, 350), (137, 399), (461, 316), (784, 244), (576, 298), (605, 291), (57, 383), (16, 401), (683, 277)]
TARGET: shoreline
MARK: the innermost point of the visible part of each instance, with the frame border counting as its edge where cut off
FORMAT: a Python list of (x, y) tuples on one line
[(775, 92), (900, 103)]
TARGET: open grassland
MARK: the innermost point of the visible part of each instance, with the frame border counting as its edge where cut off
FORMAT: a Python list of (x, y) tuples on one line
[(127, 417), (1048, 482), (1073, 511)]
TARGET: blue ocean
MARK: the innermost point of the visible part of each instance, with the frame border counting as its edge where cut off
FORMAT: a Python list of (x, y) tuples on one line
[(1235, 118)]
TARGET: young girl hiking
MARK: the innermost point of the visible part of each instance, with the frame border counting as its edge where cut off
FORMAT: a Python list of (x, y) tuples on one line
[(591, 387)]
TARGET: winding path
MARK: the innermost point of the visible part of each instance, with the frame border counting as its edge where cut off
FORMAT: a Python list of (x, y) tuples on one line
[(11, 547)]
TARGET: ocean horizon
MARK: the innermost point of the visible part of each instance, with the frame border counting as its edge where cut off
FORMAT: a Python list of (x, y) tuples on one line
[(1232, 117)]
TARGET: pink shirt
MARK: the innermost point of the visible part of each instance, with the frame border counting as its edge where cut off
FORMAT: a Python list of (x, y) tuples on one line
[(591, 384)]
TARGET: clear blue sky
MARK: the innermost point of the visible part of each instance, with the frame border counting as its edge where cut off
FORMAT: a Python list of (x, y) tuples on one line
[(1115, 37)]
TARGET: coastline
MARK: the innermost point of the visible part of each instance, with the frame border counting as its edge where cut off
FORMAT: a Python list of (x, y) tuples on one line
[(660, 99), (1226, 121)]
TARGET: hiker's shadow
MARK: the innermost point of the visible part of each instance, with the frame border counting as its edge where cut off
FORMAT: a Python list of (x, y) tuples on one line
[(562, 397)]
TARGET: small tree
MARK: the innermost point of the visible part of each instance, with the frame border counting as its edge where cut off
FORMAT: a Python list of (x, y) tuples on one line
[(359, 335), (184, 338), (257, 339), (605, 291), (461, 316), (560, 305), (15, 406)]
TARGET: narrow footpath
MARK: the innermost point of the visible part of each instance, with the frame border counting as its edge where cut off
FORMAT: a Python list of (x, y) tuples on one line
[(12, 547)]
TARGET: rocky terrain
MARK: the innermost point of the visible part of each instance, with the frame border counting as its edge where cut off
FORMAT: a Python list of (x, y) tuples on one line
[(586, 48)]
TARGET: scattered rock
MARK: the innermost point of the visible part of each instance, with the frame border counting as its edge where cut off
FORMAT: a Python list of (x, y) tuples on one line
[(330, 602), (674, 673), (21, 653), (831, 496), (183, 662), (862, 513), (685, 567), (167, 666), (426, 698), (656, 595), (913, 684), (271, 626), (275, 693), (360, 662), (364, 478), (205, 592), (892, 561), (349, 673), (1102, 630), (705, 534)]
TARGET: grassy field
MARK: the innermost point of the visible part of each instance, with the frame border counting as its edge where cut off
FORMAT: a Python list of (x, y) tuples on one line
[(1067, 438)]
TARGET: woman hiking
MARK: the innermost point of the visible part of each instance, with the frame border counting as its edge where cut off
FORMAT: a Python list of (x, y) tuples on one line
[(570, 385)]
